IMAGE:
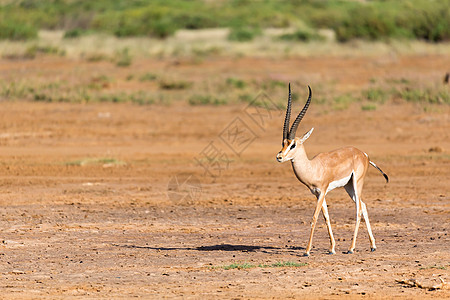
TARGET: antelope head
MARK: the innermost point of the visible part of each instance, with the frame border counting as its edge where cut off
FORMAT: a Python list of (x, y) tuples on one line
[(290, 143)]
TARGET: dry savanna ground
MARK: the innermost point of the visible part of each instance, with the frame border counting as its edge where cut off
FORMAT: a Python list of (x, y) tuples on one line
[(173, 199)]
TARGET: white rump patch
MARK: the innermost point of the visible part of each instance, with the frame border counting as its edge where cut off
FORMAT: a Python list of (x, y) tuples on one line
[(339, 183)]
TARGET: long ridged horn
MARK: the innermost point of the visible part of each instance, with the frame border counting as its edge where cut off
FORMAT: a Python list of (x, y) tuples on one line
[(299, 117), (287, 118)]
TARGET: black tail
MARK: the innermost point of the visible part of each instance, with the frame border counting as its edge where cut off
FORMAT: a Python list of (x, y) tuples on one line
[(376, 167)]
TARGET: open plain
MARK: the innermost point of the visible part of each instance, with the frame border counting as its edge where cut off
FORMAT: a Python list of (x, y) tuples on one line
[(170, 199)]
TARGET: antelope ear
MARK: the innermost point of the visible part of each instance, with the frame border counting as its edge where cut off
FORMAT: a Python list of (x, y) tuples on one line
[(306, 135)]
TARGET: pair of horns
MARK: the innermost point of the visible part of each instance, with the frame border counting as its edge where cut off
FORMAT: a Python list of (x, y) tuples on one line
[(291, 134)]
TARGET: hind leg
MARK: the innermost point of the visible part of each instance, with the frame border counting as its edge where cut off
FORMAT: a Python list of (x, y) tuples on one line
[(351, 188), (369, 229), (365, 214)]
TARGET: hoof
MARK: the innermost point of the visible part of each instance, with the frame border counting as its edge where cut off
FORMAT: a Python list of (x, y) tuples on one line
[(349, 252), (373, 249), (306, 254), (331, 252)]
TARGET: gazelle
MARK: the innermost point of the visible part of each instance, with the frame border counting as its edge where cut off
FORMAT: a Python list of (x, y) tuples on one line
[(344, 167)]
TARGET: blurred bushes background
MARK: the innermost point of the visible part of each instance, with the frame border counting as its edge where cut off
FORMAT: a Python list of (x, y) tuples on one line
[(371, 20)]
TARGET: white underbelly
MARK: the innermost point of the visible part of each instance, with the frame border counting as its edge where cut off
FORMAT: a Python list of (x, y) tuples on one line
[(339, 183)]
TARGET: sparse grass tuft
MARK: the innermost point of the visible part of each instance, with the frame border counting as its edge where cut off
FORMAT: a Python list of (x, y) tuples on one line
[(96, 57), (238, 266), (236, 83), (283, 264), (141, 98), (243, 266), (376, 95), (430, 96), (148, 77), (206, 100), (342, 102), (96, 161), (443, 267), (32, 51), (368, 107), (123, 58)]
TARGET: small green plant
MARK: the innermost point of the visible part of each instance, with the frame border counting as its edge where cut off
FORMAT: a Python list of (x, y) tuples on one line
[(206, 100), (236, 83), (376, 95), (148, 77), (123, 58), (273, 83), (247, 98), (342, 102), (368, 107), (141, 98)]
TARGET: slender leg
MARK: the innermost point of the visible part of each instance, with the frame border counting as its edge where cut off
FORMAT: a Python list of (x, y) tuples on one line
[(358, 220), (320, 200), (357, 189), (327, 220), (369, 229), (351, 188)]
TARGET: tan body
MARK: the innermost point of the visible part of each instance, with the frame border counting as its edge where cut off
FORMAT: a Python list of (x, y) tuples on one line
[(342, 163)]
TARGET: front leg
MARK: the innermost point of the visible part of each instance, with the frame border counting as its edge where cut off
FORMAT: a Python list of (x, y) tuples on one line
[(330, 232), (320, 200)]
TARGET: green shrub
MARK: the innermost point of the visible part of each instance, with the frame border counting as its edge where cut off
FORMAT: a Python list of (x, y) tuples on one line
[(162, 28), (430, 21), (14, 30), (372, 20), (243, 34), (366, 22), (74, 33), (302, 36)]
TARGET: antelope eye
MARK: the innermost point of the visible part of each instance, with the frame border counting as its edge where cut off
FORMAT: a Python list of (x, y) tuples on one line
[(293, 146)]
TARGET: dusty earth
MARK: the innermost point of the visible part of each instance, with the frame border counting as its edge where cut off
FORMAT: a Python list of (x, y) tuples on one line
[(121, 200)]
